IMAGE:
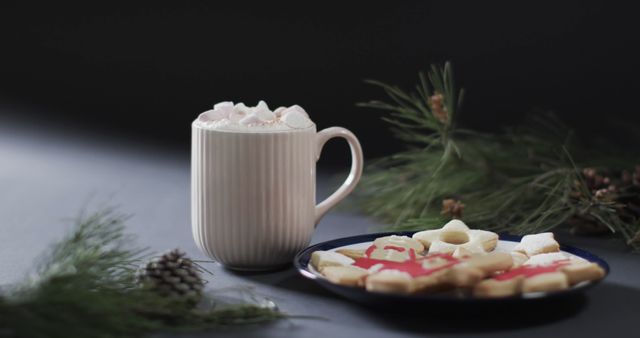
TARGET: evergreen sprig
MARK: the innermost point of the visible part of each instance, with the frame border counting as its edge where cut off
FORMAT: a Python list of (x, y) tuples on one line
[(527, 179), (85, 286)]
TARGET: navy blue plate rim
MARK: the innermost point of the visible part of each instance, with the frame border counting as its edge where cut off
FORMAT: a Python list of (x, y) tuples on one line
[(301, 262)]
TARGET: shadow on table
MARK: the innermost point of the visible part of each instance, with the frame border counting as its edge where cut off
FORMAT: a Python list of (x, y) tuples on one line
[(606, 303), (476, 319), (285, 278)]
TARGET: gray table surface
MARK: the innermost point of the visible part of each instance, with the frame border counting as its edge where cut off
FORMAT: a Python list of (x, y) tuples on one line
[(47, 176)]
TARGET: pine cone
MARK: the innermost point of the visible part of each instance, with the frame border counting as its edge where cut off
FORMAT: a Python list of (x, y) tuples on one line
[(597, 183), (452, 208), (438, 109), (172, 275)]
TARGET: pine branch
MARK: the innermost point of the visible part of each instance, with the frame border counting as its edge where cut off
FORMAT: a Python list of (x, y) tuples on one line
[(86, 287), (520, 181)]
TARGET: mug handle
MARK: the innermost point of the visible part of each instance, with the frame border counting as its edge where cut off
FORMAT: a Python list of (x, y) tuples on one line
[(354, 175)]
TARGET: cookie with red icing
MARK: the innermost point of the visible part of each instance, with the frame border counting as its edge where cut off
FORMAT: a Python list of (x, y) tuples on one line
[(399, 242), (395, 248), (550, 276), (393, 263), (399, 264), (430, 273), (470, 271)]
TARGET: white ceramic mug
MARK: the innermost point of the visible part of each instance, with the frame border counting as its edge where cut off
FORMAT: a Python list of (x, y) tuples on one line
[(253, 194)]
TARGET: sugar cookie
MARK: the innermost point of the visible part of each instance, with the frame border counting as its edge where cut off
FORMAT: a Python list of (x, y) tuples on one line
[(390, 281), (456, 235), (322, 259), (351, 253), (552, 276), (394, 248), (537, 244), (582, 271), (518, 258), (435, 276), (545, 282), (399, 241), (345, 275), (456, 257), (550, 258), (472, 270)]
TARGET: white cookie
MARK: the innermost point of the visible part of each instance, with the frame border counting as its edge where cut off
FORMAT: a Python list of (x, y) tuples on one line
[(518, 258), (322, 259), (345, 275), (454, 235), (390, 281), (536, 244), (470, 249), (546, 282), (390, 255), (399, 241), (550, 258)]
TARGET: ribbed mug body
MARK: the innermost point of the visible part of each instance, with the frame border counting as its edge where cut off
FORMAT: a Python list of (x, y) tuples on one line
[(253, 195)]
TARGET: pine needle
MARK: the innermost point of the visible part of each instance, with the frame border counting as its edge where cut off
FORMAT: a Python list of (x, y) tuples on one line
[(525, 180), (85, 286)]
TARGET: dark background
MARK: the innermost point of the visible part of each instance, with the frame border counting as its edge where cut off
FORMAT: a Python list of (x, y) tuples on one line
[(143, 71)]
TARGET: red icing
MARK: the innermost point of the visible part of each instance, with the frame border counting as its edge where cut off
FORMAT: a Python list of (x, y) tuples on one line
[(370, 250), (412, 254), (529, 271), (412, 266)]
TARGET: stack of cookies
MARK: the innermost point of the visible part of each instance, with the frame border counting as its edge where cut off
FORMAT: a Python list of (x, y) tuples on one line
[(456, 257)]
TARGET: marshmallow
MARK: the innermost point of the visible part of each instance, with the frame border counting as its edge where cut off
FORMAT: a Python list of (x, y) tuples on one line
[(236, 116), (239, 117), (264, 114), (214, 115), (250, 119), (262, 106), (242, 108), (223, 105), (279, 111), (294, 108), (296, 119), (299, 109)]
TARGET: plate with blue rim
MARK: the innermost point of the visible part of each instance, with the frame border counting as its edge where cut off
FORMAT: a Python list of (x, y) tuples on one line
[(506, 243)]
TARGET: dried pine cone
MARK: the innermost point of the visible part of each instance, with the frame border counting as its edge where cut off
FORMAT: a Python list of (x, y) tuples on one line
[(438, 109), (452, 208), (173, 275), (600, 186)]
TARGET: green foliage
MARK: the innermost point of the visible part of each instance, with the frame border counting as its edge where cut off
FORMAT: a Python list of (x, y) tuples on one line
[(521, 181), (86, 287)]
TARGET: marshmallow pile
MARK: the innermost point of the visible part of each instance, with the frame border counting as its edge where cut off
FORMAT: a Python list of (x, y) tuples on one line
[(226, 115)]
